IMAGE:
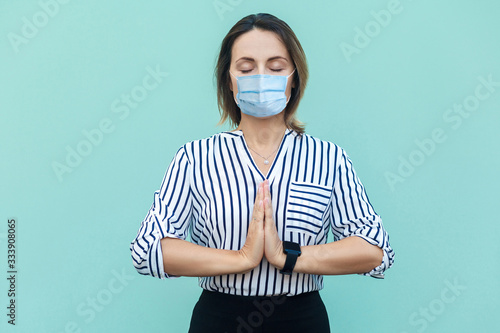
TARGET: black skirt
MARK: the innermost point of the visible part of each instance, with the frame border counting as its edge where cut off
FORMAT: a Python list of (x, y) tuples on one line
[(223, 313)]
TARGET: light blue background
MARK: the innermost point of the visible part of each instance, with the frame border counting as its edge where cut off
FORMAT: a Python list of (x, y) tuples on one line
[(73, 234)]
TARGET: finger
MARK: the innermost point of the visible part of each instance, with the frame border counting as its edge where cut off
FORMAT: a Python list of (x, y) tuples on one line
[(268, 212), (267, 190), (267, 198), (258, 210), (260, 195), (260, 191)]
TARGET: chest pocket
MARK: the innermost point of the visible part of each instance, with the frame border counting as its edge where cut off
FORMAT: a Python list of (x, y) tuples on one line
[(307, 203)]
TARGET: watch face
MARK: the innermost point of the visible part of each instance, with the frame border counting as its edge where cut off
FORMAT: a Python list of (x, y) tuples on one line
[(291, 247)]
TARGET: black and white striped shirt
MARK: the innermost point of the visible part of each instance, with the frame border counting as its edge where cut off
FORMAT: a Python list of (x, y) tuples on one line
[(209, 191)]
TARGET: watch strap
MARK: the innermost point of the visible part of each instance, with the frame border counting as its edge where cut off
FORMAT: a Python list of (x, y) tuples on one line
[(292, 251), (291, 260)]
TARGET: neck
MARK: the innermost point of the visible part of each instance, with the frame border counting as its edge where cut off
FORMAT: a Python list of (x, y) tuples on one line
[(262, 135)]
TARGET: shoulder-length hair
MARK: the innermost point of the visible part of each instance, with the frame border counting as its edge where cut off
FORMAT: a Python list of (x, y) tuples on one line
[(225, 100)]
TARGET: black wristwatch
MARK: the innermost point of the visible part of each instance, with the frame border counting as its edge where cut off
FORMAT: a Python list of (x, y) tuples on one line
[(292, 251)]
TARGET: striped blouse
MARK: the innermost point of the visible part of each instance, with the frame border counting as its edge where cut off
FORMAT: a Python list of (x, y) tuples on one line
[(208, 193)]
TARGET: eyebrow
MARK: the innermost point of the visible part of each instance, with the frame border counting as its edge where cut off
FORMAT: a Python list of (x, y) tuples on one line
[(270, 59)]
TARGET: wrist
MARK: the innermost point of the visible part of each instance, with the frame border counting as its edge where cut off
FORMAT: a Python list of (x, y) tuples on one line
[(279, 258), (280, 261), (243, 263)]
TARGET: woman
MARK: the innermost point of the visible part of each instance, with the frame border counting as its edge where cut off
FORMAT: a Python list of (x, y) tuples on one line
[(259, 201)]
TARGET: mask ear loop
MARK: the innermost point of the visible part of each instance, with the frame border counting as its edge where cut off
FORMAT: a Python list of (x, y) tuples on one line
[(236, 82), (287, 81)]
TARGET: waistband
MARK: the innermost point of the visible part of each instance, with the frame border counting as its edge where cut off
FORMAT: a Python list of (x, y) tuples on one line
[(223, 297)]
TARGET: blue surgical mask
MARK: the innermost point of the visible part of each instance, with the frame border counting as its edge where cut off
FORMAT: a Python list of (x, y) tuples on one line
[(262, 95)]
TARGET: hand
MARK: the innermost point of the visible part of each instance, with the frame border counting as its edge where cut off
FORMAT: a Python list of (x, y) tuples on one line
[(253, 249), (273, 247)]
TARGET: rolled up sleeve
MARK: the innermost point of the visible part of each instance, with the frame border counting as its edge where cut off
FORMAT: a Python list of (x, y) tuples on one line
[(353, 215), (169, 216)]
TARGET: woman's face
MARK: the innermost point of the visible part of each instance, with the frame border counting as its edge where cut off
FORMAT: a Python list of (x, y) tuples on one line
[(260, 52)]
